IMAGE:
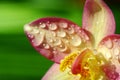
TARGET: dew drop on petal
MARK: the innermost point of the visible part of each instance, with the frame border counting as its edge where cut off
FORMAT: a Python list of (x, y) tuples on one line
[(62, 48), (86, 37), (42, 25), (52, 26), (35, 43), (61, 34), (116, 51), (46, 46), (109, 44), (57, 42), (67, 41), (55, 52), (49, 37), (109, 56), (63, 24), (35, 30), (38, 39), (71, 30), (75, 41), (53, 33), (51, 40), (115, 40), (30, 36)]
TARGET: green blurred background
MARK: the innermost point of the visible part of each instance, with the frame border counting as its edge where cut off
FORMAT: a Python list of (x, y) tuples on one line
[(18, 59)]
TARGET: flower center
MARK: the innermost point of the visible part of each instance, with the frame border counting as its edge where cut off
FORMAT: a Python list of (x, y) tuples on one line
[(89, 66), (86, 64)]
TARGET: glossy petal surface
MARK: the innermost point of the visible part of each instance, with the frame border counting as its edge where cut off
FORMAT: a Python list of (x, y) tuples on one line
[(55, 38), (98, 19), (110, 48), (55, 74)]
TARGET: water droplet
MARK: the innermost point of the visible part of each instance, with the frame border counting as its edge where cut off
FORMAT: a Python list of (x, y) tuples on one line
[(42, 25), (108, 56), (86, 37), (116, 51), (115, 40), (50, 37), (39, 38), (62, 48), (51, 40), (63, 24), (108, 43), (27, 28), (71, 30), (61, 34), (101, 78), (85, 67), (52, 26), (55, 52), (46, 46), (66, 41), (35, 30), (41, 33), (57, 42), (54, 34), (30, 36), (75, 40)]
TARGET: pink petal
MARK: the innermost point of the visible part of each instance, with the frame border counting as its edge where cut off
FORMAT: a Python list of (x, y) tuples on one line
[(110, 48), (54, 74), (98, 19), (55, 38)]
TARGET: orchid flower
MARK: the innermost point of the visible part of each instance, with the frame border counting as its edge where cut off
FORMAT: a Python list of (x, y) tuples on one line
[(88, 53)]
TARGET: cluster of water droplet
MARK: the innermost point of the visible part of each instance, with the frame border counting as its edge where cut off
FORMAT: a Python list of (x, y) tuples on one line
[(110, 48), (56, 36)]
